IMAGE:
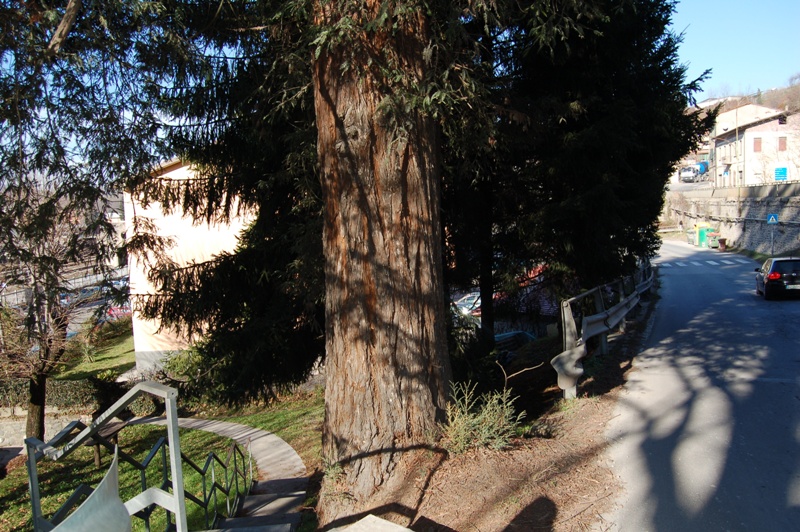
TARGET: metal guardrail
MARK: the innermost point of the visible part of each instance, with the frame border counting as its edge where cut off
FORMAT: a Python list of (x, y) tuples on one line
[(598, 311), (730, 219), (234, 482)]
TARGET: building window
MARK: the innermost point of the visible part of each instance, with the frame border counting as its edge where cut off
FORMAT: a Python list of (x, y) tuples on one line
[(781, 143), (757, 144)]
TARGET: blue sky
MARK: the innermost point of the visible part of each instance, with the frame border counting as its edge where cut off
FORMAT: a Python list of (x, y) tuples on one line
[(748, 45)]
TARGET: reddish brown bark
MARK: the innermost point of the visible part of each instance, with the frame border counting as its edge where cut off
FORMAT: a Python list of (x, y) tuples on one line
[(387, 366)]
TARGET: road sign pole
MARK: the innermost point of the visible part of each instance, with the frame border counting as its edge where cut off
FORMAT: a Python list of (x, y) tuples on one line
[(772, 220)]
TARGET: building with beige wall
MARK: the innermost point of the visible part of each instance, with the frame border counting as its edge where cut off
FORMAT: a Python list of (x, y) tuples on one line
[(192, 243), (755, 145)]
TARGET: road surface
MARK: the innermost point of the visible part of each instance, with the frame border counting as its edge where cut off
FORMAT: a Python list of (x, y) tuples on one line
[(706, 435)]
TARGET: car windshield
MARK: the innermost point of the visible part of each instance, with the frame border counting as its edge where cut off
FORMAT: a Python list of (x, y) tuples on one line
[(786, 266)]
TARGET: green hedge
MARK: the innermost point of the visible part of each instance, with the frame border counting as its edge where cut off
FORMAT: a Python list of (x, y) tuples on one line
[(87, 395), (60, 394)]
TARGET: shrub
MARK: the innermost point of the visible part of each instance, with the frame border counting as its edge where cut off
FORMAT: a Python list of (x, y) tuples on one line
[(488, 420), (61, 394)]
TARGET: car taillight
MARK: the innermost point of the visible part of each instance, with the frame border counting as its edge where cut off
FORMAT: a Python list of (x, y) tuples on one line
[(774, 276)]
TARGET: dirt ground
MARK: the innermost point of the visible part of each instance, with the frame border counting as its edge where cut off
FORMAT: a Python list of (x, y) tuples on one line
[(557, 480)]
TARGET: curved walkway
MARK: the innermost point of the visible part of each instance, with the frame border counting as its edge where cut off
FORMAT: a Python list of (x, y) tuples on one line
[(281, 471), (275, 459)]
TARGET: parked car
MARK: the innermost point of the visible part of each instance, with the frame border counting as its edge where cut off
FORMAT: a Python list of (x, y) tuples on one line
[(88, 293), (778, 277), (116, 312), (469, 303)]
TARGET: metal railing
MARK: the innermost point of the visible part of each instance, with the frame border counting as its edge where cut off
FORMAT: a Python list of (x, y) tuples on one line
[(233, 483), (595, 313), (237, 478)]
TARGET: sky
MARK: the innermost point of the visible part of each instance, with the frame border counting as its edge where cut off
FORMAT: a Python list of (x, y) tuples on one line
[(748, 45)]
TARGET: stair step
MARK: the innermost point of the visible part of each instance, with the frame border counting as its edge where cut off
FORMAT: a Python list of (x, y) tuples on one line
[(260, 504), (271, 523), (261, 510), (280, 485), (256, 528)]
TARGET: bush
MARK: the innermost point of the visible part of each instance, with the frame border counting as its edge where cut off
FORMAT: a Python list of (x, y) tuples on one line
[(64, 395), (474, 422)]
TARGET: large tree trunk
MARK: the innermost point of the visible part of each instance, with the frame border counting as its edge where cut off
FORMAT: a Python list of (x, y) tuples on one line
[(387, 365), (37, 390)]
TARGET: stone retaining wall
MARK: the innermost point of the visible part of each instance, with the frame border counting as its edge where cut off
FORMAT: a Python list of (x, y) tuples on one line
[(740, 215), (12, 425)]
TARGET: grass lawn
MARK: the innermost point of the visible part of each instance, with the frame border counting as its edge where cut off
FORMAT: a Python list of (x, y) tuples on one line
[(297, 420), (108, 350), (58, 480)]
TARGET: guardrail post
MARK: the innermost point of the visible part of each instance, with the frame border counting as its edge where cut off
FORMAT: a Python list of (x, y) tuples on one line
[(570, 330), (599, 308)]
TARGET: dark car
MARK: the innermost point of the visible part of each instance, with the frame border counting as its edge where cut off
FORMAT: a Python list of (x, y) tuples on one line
[(778, 277)]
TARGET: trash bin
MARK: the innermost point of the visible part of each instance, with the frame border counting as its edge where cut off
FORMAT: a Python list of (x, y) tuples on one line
[(701, 229), (702, 236), (723, 244), (713, 240), (691, 236)]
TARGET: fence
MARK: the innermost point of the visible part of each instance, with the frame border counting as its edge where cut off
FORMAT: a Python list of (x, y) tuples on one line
[(591, 314), (10, 297)]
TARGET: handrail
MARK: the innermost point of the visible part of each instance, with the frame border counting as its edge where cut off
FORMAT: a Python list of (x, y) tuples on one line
[(231, 477), (173, 503), (233, 483)]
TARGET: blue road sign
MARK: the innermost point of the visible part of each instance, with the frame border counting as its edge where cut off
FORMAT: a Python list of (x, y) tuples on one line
[(781, 173), (772, 219)]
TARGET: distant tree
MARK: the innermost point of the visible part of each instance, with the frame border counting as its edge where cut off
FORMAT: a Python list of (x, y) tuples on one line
[(70, 129), (40, 236)]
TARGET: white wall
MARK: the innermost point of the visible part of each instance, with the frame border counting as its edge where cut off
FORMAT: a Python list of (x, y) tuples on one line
[(192, 243)]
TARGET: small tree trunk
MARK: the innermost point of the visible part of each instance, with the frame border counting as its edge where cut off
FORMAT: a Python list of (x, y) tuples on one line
[(37, 390)]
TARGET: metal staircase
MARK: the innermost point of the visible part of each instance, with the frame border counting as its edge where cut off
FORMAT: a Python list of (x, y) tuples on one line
[(229, 477)]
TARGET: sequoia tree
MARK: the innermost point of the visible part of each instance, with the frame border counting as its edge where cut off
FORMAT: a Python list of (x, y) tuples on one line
[(387, 362)]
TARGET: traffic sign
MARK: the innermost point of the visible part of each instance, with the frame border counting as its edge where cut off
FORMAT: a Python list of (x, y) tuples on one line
[(781, 173), (772, 219)]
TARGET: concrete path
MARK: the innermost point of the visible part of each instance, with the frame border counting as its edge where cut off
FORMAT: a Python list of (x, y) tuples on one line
[(277, 462), (275, 501)]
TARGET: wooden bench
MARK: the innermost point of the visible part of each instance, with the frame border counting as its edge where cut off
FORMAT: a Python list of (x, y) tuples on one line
[(108, 432)]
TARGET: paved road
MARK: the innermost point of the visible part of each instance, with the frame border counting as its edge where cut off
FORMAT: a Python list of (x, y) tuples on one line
[(706, 435)]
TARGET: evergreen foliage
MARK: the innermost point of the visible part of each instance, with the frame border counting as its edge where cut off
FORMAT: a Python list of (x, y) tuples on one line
[(560, 123)]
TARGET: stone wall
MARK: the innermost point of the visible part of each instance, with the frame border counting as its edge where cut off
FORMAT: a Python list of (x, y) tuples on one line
[(740, 215), (12, 424)]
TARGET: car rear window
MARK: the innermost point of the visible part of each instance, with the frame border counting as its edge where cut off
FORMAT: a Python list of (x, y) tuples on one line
[(786, 266)]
